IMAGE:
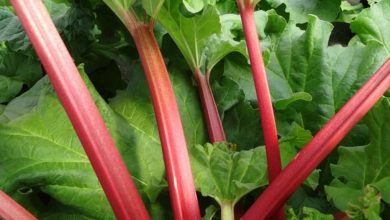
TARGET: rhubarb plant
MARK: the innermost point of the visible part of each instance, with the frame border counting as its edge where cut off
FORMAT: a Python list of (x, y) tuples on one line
[(310, 71)]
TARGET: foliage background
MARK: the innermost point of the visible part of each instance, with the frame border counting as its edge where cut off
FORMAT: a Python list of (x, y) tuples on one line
[(317, 54)]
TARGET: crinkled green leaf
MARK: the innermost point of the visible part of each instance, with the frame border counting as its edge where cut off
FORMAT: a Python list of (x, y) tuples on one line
[(351, 67), (16, 69), (349, 11), (374, 24), (308, 214), (366, 165), (299, 9), (13, 32), (227, 175), (201, 38), (40, 154), (331, 75)]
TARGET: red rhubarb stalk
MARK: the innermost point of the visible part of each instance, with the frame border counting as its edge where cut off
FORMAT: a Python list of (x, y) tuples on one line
[(262, 90), (81, 109), (320, 146), (180, 180), (181, 185), (11, 210), (210, 110)]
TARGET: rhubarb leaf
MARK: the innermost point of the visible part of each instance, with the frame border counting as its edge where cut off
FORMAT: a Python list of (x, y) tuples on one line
[(17, 69), (374, 24), (194, 6), (226, 175), (369, 163), (300, 9), (331, 75), (12, 31), (152, 7), (40, 154), (189, 34), (9, 88), (240, 119), (135, 105), (308, 214)]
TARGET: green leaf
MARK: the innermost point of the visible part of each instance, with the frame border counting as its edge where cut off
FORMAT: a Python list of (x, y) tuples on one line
[(135, 105), (299, 9), (9, 88), (40, 154), (369, 163), (308, 214), (194, 6), (238, 121), (226, 175), (210, 212), (189, 34), (351, 67), (152, 7), (374, 24), (12, 31), (303, 62), (17, 69), (293, 141)]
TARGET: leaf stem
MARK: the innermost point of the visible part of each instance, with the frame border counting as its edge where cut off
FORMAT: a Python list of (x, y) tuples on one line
[(263, 94), (227, 210), (210, 110), (81, 109), (9, 209), (320, 146), (180, 180)]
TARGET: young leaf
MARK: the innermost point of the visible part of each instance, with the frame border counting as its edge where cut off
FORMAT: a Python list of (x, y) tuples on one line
[(190, 34), (227, 175), (370, 163), (194, 6)]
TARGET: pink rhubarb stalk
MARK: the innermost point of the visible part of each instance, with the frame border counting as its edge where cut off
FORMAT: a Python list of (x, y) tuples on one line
[(11, 210), (320, 146), (81, 109), (181, 184), (210, 110), (262, 90), (180, 180)]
